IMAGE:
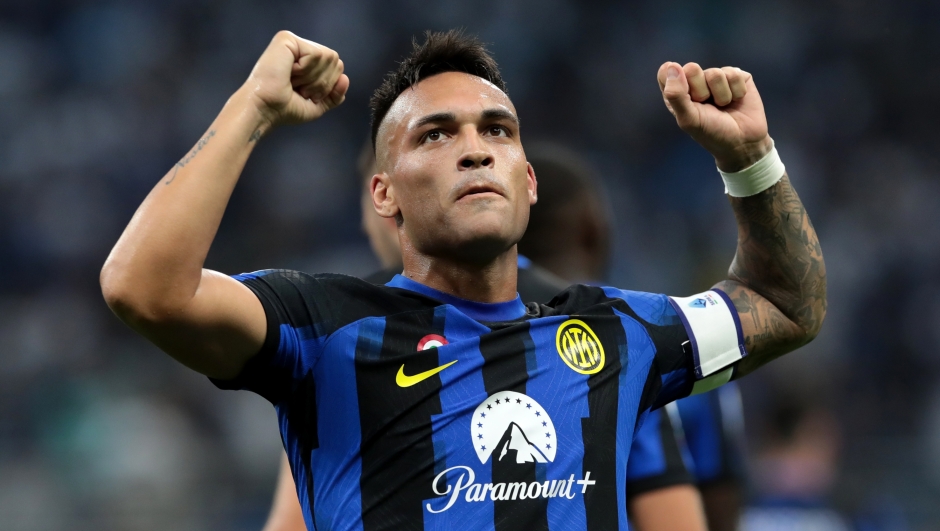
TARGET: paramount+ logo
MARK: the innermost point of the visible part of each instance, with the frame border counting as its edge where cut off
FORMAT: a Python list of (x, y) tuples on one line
[(511, 429), (579, 347)]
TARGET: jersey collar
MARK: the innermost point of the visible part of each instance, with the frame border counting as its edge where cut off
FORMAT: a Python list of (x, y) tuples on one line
[(478, 311)]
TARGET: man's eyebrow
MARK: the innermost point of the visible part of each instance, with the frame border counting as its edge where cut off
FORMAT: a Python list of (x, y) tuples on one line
[(499, 114), (488, 114), (435, 118)]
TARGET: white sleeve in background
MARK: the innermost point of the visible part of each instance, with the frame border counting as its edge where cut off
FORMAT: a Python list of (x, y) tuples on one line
[(715, 333)]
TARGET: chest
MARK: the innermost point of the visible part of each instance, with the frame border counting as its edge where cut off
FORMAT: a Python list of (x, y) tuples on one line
[(440, 364)]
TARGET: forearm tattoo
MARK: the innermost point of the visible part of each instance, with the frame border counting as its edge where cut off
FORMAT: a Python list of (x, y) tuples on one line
[(778, 278), (192, 154)]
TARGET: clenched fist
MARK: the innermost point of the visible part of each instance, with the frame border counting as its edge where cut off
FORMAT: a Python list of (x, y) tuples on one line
[(296, 80), (721, 109)]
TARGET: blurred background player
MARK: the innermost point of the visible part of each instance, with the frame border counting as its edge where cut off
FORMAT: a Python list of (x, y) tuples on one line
[(795, 470), (569, 232), (713, 429)]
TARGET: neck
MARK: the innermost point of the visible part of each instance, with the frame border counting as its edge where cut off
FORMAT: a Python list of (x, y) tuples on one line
[(493, 281)]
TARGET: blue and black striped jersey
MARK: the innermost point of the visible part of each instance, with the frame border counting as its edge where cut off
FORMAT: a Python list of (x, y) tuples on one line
[(402, 407), (659, 457)]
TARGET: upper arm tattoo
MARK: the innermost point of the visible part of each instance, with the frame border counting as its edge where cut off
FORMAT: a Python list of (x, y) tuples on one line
[(777, 280)]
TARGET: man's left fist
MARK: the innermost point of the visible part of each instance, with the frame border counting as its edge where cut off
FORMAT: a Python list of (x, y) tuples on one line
[(721, 109)]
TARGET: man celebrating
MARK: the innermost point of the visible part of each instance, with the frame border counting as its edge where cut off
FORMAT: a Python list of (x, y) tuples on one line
[(440, 400), (569, 229)]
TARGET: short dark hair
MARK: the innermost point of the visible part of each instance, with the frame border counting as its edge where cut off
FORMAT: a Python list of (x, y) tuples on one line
[(451, 51)]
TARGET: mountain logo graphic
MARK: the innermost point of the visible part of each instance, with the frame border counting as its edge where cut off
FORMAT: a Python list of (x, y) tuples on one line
[(513, 427)]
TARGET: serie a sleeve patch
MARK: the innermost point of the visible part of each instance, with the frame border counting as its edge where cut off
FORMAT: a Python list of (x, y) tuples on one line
[(714, 330)]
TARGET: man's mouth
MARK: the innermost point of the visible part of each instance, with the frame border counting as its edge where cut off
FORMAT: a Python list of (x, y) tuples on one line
[(479, 189)]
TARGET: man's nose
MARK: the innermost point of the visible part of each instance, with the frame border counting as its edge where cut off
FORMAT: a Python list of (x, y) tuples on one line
[(476, 155)]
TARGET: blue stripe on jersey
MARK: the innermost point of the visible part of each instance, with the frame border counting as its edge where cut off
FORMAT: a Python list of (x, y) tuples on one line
[(556, 395), (337, 465), (635, 357), (462, 390), (299, 347)]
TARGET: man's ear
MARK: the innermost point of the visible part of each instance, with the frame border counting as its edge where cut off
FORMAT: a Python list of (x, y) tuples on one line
[(383, 198), (532, 184)]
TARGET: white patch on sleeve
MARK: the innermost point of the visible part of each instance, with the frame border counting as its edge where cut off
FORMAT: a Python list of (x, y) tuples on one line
[(714, 330)]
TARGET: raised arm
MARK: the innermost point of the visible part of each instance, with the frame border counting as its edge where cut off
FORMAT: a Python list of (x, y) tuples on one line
[(154, 278), (777, 280)]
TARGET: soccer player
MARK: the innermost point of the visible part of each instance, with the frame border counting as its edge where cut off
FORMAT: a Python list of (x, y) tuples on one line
[(440, 400), (534, 284), (569, 229)]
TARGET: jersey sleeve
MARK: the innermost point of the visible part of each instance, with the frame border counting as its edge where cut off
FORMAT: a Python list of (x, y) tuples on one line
[(697, 340), (295, 331), (715, 336), (659, 457)]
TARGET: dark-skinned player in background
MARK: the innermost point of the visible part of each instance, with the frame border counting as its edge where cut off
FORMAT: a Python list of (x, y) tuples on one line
[(570, 228), (440, 400)]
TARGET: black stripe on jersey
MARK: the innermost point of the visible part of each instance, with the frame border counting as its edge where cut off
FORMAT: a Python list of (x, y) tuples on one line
[(302, 421), (397, 447), (599, 429), (504, 369)]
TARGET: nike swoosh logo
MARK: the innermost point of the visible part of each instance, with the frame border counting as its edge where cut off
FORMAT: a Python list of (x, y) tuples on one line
[(407, 381)]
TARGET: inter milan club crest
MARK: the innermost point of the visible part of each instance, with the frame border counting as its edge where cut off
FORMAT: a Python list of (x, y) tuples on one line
[(579, 347), (510, 426)]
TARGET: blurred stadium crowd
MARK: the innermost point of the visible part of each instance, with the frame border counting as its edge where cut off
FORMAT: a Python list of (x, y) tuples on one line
[(99, 430)]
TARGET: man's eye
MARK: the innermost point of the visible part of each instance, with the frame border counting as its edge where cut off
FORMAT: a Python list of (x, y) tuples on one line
[(498, 130), (433, 136)]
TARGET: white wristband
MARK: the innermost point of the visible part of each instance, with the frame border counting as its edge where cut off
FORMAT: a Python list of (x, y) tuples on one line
[(755, 178)]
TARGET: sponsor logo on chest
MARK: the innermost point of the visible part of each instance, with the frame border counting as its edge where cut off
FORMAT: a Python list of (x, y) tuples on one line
[(511, 428)]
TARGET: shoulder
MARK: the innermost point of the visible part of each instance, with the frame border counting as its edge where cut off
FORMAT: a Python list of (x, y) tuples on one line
[(654, 308), (297, 284), (327, 298)]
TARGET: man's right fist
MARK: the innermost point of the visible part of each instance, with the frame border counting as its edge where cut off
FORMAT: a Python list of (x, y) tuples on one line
[(296, 80)]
